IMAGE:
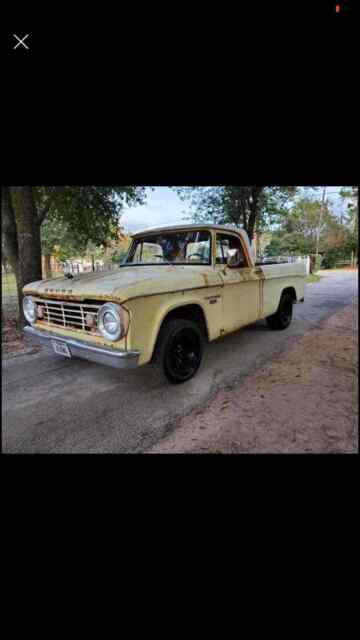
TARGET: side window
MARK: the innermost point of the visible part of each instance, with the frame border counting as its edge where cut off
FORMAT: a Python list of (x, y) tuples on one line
[(226, 242), (221, 251)]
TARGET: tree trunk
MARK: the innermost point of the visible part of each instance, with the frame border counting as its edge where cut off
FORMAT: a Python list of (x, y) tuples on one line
[(28, 239), (9, 230), (10, 243), (254, 210), (239, 208), (245, 207), (47, 266)]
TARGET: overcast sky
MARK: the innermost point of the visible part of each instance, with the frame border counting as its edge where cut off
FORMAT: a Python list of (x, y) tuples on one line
[(164, 207)]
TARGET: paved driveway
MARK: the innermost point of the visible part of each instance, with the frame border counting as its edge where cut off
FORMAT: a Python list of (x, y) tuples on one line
[(52, 404)]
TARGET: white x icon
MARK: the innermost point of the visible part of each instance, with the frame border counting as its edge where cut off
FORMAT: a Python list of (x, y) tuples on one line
[(21, 41)]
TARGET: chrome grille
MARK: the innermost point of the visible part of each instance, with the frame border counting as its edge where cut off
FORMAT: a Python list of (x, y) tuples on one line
[(68, 314)]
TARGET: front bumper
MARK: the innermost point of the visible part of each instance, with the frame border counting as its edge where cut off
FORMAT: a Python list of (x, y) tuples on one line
[(120, 359)]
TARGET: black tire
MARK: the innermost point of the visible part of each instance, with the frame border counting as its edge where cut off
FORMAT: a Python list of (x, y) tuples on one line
[(179, 350), (282, 318)]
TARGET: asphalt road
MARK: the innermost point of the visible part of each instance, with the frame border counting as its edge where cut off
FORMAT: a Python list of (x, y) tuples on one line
[(55, 405)]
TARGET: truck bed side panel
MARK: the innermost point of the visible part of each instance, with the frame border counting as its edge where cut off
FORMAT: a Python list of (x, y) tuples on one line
[(278, 277)]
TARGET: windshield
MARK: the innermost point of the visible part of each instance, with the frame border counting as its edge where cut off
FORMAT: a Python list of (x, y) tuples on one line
[(184, 247)]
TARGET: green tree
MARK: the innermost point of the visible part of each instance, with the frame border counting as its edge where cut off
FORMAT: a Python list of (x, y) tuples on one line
[(87, 212), (312, 224), (337, 243), (308, 219), (304, 218), (94, 252), (290, 244), (351, 197), (251, 208), (274, 248), (58, 239)]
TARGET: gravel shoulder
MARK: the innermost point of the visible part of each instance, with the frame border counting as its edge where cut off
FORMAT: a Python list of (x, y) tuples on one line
[(305, 400)]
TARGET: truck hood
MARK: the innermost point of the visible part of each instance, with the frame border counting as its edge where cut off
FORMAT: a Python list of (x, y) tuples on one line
[(126, 283)]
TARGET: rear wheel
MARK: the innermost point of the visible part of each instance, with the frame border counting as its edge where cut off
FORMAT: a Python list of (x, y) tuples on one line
[(179, 350), (282, 318)]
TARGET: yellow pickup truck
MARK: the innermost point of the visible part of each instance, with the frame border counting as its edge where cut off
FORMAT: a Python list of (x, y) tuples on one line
[(178, 288)]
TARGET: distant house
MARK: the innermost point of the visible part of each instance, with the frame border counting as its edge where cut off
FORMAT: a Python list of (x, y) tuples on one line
[(50, 265)]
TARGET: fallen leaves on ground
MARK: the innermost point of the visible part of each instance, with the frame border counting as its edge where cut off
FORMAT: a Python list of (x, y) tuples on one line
[(303, 401), (13, 342)]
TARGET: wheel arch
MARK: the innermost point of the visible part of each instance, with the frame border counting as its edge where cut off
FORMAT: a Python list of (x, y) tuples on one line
[(187, 311), (291, 291)]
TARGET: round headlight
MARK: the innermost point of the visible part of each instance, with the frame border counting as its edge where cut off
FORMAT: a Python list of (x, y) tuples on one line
[(109, 321), (29, 308)]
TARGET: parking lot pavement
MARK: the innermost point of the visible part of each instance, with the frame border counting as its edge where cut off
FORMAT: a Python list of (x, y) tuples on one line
[(55, 405)]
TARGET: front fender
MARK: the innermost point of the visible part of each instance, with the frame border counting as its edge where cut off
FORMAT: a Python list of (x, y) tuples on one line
[(149, 314)]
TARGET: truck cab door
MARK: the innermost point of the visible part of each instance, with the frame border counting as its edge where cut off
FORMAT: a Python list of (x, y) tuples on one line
[(241, 284)]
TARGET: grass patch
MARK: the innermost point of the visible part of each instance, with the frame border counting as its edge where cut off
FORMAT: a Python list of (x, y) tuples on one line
[(313, 277), (9, 301), (8, 284)]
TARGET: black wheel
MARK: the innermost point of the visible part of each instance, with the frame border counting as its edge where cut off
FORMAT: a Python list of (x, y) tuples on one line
[(282, 318), (179, 350)]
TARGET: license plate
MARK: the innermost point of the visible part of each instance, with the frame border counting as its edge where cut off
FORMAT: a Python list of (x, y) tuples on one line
[(61, 348)]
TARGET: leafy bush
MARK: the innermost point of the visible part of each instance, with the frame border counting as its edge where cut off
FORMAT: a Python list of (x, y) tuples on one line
[(329, 261), (291, 244), (274, 248), (332, 256)]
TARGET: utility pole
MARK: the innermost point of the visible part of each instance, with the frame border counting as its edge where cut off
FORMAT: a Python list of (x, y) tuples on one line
[(322, 208)]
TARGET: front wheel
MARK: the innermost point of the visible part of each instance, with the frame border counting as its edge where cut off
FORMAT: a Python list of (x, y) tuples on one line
[(282, 318), (180, 350)]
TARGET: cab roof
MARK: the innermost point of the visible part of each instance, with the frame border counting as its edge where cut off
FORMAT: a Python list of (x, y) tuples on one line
[(188, 227)]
